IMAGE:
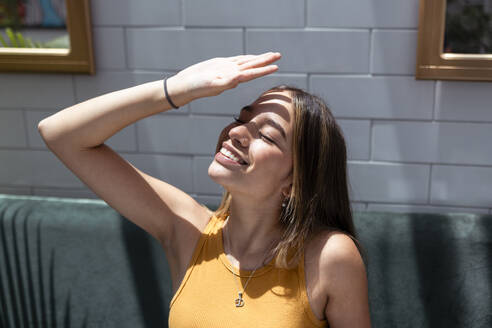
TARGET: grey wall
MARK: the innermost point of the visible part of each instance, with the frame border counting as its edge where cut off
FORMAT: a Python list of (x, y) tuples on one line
[(413, 145)]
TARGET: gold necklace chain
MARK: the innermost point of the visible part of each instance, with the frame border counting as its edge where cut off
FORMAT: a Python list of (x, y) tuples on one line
[(239, 302)]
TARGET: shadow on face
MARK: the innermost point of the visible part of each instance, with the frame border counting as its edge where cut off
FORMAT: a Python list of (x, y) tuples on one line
[(277, 102)]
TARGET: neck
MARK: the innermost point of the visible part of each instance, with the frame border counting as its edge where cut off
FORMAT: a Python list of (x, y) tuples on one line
[(252, 228)]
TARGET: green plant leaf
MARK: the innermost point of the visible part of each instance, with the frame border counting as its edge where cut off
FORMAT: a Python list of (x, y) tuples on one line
[(29, 43), (59, 42), (2, 41), (20, 40), (11, 36)]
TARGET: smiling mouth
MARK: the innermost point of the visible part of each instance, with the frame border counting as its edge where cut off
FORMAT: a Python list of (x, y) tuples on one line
[(231, 156)]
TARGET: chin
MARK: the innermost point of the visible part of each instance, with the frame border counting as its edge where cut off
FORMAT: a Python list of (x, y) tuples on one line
[(221, 175), (218, 173)]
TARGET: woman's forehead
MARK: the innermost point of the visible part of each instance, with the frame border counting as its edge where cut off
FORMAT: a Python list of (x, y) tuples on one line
[(278, 97), (277, 102)]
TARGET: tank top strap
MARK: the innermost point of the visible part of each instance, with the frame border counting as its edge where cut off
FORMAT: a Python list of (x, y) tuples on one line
[(212, 226)]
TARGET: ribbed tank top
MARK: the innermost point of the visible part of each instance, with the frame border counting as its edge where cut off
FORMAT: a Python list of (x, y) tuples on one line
[(273, 298)]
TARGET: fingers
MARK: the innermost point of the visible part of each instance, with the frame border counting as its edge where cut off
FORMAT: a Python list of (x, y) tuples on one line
[(258, 61), (242, 58), (254, 73)]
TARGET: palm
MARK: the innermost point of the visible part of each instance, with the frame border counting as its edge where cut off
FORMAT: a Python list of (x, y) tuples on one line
[(213, 76)]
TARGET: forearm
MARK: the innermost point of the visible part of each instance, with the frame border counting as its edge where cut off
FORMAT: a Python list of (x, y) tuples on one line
[(90, 123)]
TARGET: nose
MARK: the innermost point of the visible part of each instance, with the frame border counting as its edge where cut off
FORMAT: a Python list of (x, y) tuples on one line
[(239, 136)]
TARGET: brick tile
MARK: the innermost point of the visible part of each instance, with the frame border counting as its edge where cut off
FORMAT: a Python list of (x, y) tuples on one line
[(175, 170), (376, 97), (393, 52), (403, 208), (36, 91), (128, 12), (12, 128), (357, 136), (176, 49), (453, 143), (378, 182), (461, 185), (109, 47), (177, 134), (252, 13), (335, 51), (364, 13), (468, 101), (15, 190), (35, 168)]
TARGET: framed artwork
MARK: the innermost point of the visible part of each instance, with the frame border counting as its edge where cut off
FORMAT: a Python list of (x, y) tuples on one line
[(46, 36), (455, 40)]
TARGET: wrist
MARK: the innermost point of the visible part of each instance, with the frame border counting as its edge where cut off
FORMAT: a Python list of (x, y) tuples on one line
[(177, 92)]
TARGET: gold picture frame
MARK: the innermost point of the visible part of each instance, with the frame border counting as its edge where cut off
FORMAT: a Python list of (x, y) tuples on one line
[(432, 63), (78, 59)]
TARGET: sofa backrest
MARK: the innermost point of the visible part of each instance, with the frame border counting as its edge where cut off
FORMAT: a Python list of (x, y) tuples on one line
[(428, 270), (78, 263)]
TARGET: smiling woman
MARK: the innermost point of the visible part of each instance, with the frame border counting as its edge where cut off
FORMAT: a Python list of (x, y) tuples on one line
[(281, 249)]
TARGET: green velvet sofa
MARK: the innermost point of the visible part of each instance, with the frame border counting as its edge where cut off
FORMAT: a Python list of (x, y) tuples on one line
[(78, 263)]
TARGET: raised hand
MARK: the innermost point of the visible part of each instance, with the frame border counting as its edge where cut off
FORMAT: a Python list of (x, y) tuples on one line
[(213, 76)]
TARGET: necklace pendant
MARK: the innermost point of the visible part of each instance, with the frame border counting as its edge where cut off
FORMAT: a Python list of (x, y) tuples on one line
[(239, 301)]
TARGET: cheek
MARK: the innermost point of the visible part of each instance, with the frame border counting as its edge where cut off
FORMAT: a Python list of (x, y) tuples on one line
[(275, 162)]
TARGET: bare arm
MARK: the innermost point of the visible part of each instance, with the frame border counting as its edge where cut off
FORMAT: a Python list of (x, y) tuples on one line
[(92, 122), (345, 281), (76, 135)]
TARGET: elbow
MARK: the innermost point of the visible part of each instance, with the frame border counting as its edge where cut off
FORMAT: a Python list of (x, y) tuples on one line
[(42, 129), (46, 132)]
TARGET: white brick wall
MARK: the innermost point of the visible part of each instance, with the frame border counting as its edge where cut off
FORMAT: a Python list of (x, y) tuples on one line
[(420, 146)]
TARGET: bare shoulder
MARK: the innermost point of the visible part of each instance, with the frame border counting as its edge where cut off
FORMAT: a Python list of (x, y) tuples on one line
[(337, 256), (339, 249), (334, 246), (343, 278)]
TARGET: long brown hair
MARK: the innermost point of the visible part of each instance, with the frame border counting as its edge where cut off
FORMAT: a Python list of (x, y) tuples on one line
[(319, 197)]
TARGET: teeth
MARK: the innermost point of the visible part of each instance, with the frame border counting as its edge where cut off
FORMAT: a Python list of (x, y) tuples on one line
[(229, 154)]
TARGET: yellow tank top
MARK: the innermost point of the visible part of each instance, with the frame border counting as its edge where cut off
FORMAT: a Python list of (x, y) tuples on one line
[(206, 297)]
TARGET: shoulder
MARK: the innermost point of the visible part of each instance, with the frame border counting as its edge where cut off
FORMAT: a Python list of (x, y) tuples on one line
[(335, 261), (339, 258), (343, 278)]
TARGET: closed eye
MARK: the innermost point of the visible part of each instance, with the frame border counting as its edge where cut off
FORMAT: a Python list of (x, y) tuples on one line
[(239, 121), (265, 137)]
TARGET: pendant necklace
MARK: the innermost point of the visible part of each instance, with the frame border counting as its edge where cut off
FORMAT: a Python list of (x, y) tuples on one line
[(239, 301)]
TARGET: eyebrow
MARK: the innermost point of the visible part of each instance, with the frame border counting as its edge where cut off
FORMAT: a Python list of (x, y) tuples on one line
[(268, 121)]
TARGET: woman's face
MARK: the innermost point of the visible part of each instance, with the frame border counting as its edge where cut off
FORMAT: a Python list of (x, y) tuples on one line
[(256, 153)]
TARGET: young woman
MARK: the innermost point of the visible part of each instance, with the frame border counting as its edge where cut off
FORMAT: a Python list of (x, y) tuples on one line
[(281, 249)]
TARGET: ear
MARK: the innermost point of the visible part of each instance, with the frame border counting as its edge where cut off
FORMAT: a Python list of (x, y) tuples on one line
[(286, 190)]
